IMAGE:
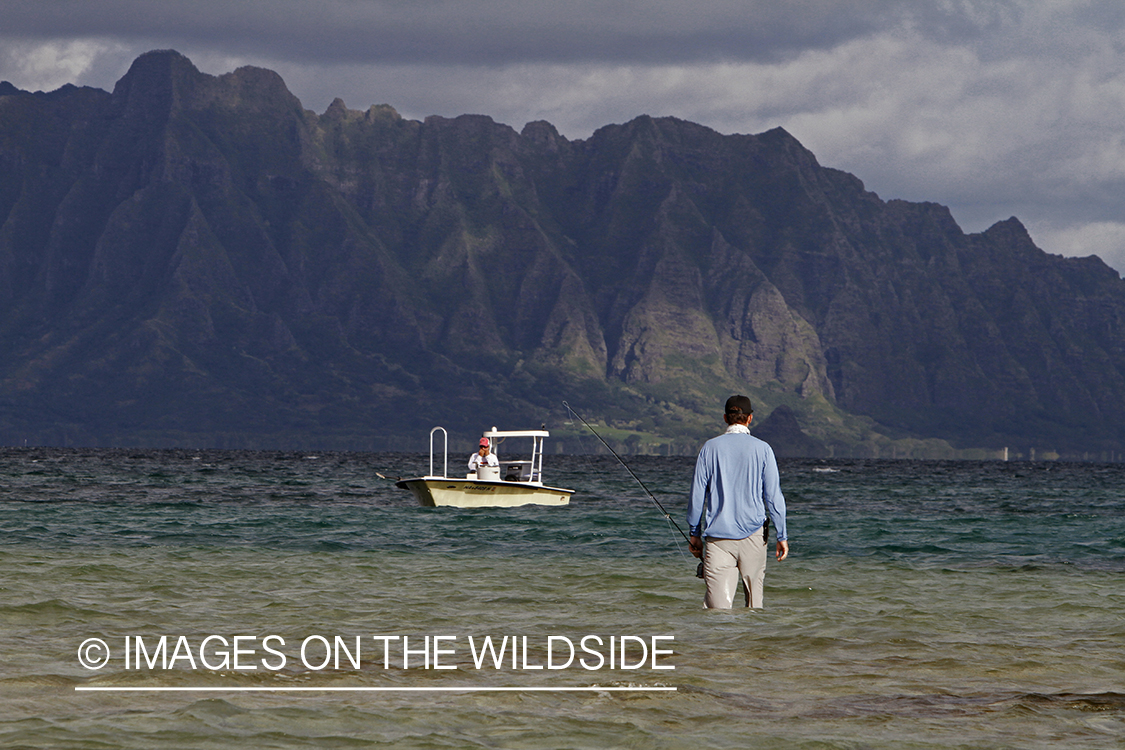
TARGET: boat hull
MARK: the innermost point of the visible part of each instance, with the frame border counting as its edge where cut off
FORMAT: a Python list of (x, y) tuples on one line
[(476, 493)]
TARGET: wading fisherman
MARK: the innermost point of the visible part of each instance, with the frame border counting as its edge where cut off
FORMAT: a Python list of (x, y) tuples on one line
[(736, 483)]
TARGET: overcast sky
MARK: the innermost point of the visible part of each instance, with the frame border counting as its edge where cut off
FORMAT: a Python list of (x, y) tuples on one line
[(995, 108)]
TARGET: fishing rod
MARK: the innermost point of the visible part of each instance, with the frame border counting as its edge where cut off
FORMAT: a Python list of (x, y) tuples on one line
[(622, 462)]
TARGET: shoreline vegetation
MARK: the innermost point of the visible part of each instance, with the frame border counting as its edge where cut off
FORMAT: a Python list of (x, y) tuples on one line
[(625, 443)]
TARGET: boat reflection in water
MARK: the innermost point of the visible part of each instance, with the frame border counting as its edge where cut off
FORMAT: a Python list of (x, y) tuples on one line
[(511, 483)]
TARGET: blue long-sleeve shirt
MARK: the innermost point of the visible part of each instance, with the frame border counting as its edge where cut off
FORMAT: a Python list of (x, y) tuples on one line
[(736, 481)]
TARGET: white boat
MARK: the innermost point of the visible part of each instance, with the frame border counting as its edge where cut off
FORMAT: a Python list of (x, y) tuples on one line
[(511, 483)]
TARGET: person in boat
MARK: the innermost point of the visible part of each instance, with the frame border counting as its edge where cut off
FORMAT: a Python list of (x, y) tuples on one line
[(736, 483), (483, 456)]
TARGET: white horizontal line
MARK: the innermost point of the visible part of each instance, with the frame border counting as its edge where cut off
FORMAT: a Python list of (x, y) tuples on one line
[(371, 689)]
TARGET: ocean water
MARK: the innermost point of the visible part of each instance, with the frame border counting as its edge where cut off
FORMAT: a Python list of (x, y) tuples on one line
[(924, 605)]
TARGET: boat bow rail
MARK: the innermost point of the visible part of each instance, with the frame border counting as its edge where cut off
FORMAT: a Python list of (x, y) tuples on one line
[(444, 452)]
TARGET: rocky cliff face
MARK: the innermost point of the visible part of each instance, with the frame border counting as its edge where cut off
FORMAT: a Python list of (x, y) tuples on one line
[(198, 260)]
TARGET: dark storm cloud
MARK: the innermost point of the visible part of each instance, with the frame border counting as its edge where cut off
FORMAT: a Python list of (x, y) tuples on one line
[(469, 32)]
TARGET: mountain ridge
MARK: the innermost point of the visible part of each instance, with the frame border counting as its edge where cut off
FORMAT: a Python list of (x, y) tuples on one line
[(197, 260)]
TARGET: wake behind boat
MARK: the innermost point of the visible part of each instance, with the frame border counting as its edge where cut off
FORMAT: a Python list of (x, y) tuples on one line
[(508, 484)]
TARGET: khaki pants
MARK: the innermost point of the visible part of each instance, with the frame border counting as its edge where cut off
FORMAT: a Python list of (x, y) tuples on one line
[(727, 560)]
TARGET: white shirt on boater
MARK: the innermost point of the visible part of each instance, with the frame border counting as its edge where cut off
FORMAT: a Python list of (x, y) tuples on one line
[(476, 459)]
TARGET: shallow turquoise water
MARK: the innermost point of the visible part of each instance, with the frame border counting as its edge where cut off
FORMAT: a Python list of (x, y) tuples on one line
[(925, 605)]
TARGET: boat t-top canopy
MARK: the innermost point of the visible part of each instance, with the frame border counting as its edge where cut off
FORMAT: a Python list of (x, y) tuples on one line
[(515, 433), (528, 471)]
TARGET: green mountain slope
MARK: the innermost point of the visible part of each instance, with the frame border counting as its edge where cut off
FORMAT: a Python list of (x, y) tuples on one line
[(197, 260)]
